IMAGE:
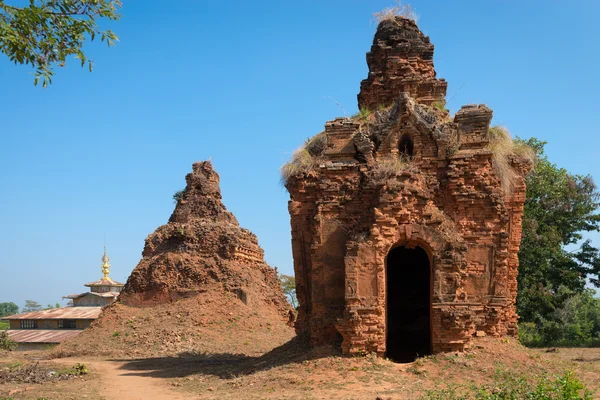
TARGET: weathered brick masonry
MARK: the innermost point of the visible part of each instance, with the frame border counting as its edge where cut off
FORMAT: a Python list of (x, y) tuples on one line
[(402, 204)]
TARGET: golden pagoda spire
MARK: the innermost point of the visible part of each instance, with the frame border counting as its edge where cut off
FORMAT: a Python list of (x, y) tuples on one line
[(105, 264)]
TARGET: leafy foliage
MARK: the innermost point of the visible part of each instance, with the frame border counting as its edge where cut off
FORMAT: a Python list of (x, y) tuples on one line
[(45, 32), (178, 195), (576, 322), (8, 308), (6, 343), (31, 305), (555, 261), (288, 284)]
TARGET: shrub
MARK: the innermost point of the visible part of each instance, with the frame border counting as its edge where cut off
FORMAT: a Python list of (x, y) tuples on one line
[(6, 343), (503, 149), (177, 196)]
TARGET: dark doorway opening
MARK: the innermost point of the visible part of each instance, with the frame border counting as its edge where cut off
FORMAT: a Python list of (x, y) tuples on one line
[(408, 304)]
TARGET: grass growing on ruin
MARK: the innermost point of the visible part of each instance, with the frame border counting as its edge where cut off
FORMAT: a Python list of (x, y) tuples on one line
[(306, 158), (504, 149), (388, 168), (362, 115), (399, 10)]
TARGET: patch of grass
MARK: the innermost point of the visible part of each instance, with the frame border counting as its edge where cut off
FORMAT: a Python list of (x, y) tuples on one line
[(398, 11), (116, 333), (503, 149), (14, 366), (4, 325), (511, 386), (440, 105), (76, 370), (362, 114)]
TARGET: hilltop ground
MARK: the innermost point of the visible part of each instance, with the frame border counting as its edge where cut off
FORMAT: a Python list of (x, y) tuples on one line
[(291, 371)]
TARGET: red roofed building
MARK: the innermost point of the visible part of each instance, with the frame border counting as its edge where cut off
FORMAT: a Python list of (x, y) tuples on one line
[(38, 329)]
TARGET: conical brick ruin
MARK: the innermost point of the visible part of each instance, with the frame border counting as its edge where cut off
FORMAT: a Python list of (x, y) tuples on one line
[(202, 286), (406, 223), (203, 248)]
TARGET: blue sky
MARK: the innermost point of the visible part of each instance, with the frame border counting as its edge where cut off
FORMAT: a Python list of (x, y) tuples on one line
[(100, 154)]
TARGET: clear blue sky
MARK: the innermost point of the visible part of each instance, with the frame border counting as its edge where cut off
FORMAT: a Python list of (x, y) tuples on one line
[(244, 83)]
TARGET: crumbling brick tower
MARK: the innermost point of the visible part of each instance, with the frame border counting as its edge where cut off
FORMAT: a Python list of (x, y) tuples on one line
[(406, 223)]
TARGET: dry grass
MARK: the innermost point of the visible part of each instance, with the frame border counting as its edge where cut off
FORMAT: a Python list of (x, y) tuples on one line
[(306, 158), (504, 149), (388, 168), (399, 10)]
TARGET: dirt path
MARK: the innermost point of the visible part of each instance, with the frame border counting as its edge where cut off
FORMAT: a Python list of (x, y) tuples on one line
[(118, 383)]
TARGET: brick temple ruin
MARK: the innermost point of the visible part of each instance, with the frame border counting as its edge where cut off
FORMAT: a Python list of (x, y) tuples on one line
[(405, 233)]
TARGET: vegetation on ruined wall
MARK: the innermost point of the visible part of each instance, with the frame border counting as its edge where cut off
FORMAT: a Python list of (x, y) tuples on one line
[(306, 158), (399, 10), (503, 149), (388, 168), (45, 33), (555, 260)]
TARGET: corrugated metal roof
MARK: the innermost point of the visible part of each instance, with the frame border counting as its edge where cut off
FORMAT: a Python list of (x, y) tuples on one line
[(104, 282), (42, 335), (105, 294), (59, 313)]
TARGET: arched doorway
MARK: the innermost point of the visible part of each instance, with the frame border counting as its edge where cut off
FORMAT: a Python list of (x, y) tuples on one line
[(408, 304)]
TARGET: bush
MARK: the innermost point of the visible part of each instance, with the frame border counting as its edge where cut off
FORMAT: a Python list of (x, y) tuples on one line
[(178, 195), (576, 323), (6, 343)]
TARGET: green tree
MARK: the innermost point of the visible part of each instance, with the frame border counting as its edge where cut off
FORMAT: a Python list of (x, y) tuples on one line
[(8, 308), (288, 284), (44, 33), (555, 260), (31, 305)]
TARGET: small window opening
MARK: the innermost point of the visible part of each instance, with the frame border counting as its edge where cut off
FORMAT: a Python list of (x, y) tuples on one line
[(67, 324), (406, 146), (29, 324)]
